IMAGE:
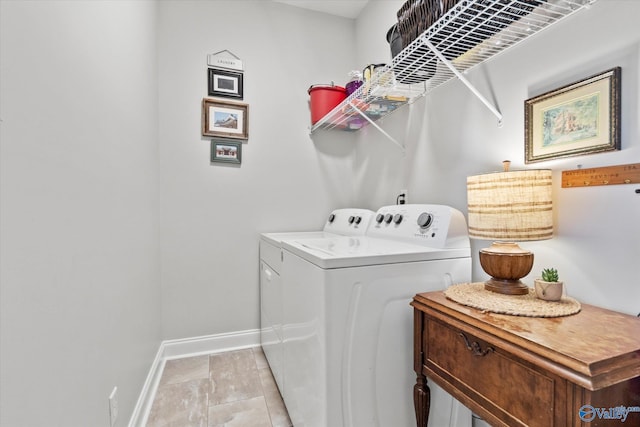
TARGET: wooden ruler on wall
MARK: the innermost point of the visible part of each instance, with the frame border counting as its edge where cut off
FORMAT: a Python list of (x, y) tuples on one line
[(609, 175)]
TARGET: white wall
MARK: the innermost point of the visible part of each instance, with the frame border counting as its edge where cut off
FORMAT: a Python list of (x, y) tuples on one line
[(79, 265), (450, 135), (92, 123), (212, 214)]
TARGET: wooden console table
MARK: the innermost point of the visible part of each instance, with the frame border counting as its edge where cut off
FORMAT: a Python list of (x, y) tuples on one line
[(523, 371)]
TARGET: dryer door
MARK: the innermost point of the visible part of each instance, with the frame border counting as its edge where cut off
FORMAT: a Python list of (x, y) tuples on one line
[(271, 320)]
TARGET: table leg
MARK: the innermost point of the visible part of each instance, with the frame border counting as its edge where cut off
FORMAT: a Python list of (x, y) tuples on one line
[(421, 401)]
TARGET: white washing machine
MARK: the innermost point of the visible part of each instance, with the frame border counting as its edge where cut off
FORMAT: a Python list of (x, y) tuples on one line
[(347, 324), (341, 222)]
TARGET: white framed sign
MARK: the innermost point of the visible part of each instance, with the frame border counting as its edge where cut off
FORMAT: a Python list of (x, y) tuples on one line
[(225, 59)]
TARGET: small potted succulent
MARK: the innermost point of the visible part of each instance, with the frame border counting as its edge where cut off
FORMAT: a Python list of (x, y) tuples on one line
[(549, 287)]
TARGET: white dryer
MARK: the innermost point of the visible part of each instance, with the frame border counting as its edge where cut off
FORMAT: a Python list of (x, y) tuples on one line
[(340, 222), (347, 324)]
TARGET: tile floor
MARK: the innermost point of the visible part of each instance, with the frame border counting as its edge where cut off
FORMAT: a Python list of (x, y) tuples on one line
[(232, 389)]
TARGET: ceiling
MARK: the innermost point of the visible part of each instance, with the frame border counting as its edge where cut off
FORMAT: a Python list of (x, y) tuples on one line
[(345, 8)]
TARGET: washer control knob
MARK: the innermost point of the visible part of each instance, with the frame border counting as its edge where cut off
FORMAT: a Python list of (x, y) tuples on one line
[(397, 219), (379, 218), (425, 220), (332, 217), (358, 220), (351, 219), (388, 218)]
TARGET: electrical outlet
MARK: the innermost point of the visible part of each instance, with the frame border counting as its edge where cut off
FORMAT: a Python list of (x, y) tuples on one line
[(406, 195), (113, 406)]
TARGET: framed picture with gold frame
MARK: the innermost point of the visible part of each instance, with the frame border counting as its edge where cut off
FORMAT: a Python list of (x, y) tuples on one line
[(577, 119)]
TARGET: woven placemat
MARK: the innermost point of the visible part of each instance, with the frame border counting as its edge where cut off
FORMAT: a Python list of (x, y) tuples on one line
[(476, 296)]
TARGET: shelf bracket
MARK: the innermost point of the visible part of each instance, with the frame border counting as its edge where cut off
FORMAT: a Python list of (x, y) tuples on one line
[(392, 139), (463, 79)]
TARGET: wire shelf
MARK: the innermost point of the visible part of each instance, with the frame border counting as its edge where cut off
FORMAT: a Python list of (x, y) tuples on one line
[(471, 32)]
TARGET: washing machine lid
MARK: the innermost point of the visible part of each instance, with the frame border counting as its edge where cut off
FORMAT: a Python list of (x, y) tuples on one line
[(276, 239), (356, 251)]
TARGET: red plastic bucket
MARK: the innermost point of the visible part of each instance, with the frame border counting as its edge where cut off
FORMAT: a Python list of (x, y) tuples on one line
[(325, 98)]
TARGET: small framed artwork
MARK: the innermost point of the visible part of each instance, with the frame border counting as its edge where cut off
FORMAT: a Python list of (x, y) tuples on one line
[(226, 151), (225, 119), (577, 119), (225, 83)]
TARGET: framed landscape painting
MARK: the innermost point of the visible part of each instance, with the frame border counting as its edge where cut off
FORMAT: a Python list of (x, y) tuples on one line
[(581, 118), (225, 119)]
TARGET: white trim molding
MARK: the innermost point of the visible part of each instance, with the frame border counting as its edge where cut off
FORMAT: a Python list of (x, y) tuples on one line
[(186, 347)]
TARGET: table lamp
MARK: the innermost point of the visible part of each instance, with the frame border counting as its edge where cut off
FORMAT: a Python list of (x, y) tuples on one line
[(507, 207)]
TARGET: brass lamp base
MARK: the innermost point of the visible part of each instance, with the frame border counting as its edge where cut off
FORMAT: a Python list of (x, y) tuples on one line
[(506, 263)]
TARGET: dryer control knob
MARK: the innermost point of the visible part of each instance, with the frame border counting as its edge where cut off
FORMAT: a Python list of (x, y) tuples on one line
[(388, 218), (379, 218), (358, 220), (332, 217), (351, 219), (425, 219), (397, 219)]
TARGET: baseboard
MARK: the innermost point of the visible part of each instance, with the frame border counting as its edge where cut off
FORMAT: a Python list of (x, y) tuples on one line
[(210, 344), (186, 347), (145, 400)]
